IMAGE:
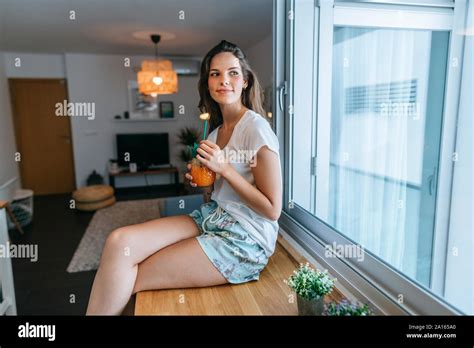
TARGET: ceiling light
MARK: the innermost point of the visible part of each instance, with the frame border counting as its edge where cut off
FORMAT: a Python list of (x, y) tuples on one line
[(157, 76)]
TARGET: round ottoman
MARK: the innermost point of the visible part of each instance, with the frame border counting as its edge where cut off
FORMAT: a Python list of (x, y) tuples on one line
[(93, 197)]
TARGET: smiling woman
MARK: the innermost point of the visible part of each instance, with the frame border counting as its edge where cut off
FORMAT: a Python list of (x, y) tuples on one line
[(226, 240), (246, 201), (239, 82)]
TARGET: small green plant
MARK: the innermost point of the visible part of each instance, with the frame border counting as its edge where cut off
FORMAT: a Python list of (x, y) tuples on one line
[(189, 137), (346, 308), (309, 283)]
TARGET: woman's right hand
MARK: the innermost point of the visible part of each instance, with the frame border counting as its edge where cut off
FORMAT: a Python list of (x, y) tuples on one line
[(189, 177)]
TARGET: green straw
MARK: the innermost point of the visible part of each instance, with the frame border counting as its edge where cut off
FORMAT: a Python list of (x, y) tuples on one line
[(205, 130)]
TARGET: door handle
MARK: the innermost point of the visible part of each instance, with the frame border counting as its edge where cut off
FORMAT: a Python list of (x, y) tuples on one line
[(431, 181), (281, 92)]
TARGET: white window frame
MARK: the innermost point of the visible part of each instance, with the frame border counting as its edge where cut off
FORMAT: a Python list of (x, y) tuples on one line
[(372, 279)]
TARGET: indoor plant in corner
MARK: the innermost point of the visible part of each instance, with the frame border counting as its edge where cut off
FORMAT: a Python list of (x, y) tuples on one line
[(310, 286)]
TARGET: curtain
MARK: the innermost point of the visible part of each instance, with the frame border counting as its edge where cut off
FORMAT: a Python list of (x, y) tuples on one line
[(376, 98)]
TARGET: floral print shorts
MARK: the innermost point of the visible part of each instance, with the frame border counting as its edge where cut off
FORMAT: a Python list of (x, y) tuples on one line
[(229, 247)]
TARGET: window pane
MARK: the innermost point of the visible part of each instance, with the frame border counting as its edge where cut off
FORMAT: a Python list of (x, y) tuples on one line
[(366, 145), (459, 281), (386, 116), (303, 123)]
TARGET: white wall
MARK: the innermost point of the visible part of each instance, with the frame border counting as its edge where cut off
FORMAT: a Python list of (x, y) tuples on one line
[(34, 65), (8, 166), (102, 79)]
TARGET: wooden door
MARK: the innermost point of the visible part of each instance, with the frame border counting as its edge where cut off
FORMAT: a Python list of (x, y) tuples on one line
[(43, 139)]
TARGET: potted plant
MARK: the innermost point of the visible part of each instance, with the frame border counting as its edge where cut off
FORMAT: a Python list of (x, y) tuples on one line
[(310, 286), (346, 308), (188, 137)]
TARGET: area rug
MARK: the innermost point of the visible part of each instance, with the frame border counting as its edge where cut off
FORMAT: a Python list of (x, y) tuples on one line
[(125, 213)]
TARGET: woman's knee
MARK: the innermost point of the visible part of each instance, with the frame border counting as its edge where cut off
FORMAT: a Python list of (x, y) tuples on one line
[(119, 240)]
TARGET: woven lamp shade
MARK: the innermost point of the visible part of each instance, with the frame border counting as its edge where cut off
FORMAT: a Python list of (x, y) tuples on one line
[(157, 68)]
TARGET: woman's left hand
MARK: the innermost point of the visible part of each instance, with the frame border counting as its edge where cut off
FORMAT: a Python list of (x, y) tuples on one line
[(212, 156)]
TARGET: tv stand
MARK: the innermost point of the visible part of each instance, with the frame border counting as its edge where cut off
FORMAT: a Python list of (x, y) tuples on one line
[(159, 166), (150, 171)]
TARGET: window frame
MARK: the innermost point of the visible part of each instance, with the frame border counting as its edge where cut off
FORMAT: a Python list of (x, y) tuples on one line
[(371, 280)]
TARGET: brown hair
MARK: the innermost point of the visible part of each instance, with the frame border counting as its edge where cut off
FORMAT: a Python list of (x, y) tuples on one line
[(252, 96)]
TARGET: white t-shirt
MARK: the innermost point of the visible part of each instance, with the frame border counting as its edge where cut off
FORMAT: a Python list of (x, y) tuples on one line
[(250, 133)]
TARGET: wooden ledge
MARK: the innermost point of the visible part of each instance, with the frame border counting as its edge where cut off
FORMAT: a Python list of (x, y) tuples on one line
[(267, 296)]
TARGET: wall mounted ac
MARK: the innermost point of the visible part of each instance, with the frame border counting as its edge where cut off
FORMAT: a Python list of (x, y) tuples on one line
[(186, 66), (182, 66)]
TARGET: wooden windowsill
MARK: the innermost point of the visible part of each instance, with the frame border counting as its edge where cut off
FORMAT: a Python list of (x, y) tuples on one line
[(267, 296)]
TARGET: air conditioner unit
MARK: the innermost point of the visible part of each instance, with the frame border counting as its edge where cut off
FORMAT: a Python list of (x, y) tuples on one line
[(182, 66), (186, 66)]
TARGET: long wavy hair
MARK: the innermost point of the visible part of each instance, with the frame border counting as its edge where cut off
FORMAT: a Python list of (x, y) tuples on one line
[(252, 96)]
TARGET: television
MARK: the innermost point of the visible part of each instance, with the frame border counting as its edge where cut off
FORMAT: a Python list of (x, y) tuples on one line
[(145, 149)]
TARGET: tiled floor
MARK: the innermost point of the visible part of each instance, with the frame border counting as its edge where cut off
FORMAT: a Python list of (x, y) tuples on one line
[(44, 287)]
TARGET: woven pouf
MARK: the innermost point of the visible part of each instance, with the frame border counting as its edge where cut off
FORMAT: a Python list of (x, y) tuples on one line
[(93, 197)]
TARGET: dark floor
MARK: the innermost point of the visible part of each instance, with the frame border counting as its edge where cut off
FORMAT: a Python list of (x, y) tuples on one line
[(44, 287)]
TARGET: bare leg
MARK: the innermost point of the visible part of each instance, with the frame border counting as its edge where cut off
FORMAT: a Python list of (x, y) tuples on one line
[(124, 249), (181, 265)]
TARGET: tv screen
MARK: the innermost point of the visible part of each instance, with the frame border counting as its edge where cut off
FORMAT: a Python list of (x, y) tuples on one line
[(146, 150)]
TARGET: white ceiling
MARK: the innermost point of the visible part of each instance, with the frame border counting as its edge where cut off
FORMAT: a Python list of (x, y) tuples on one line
[(107, 26)]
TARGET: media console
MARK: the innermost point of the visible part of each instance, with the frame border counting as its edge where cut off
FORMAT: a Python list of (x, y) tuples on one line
[(155, 171)]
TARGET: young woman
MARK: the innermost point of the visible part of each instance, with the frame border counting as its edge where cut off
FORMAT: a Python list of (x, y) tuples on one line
[(230, 238)]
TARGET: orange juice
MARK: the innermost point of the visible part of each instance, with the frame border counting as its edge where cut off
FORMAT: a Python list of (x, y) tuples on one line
[(202, 176)]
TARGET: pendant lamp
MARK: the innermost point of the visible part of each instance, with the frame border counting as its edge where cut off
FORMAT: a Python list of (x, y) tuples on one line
[(157, 76)]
